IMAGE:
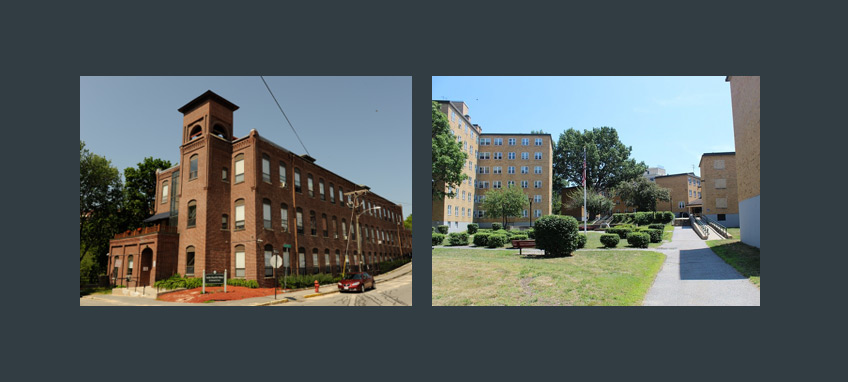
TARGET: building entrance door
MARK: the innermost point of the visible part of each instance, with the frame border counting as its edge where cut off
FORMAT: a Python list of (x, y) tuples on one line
[(146, 265)]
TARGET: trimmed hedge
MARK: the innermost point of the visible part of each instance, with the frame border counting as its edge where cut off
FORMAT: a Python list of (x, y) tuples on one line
[(458, 238), (656, 235), (306, 281), (620, 231), (472, 228), (518, 237), (243, 283), (638, 239), (481, 239), (497, 241), (556, 234), (496, 226), (610, 240), (443, 229), (581, 240), (176, 281), (438, 238), (657, 226), (643, 218)]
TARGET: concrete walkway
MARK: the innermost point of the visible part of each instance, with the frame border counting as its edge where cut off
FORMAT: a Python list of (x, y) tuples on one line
[(693, 275)]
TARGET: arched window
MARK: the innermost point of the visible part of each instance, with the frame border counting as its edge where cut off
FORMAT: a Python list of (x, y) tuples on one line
[(341, 195), (313, 224), (266, 213), (220, 131), (335, 228), (286, 261), (196, 131), (225, 222), (239, 260), (266, 168), (321, 189), (299, 222), (239, 166), (344, 229), (324, 228), (297, 180), (269, 251), (309, 186), (192, 171), (189, 261), (282, 174), (338, 261), (284, 217), (239, 214), (327, 268), (316, 267), (165, 192), (129, 265), (332, 194), (301, 257), (192, 213)]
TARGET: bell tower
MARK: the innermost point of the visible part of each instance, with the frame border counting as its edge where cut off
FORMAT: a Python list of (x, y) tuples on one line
[(208, 114)]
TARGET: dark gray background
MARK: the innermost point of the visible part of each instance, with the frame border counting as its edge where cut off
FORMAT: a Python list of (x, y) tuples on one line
[(794, 50)]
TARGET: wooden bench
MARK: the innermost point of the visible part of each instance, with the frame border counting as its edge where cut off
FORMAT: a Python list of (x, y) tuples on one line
[(523, 244)]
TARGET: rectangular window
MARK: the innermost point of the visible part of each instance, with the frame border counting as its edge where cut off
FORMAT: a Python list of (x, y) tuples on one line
[(538, 169), (284, 218), (165, 192), (721, 202), (498, 141), (511, 156), (450, 209), (511, 141), (240, 217), (496, 184), (510, 183), (525, 156), (239, 170), (538, 199), (485, 141), (266, 214), (721, 183), (310, 186), (269, 271), (224, 176), (225, 222), (484, 170), (497, 170), (321, 190), (680, 205), (240, 263), (510, 170), (266, 170), (721, 217), (538, 184), (524, 184), (538, 141), (282, 174), (538, 155), (498, 155), (525, 141), (525, 169), (538, 213), (718, 164), (484, 156), (192, 174), (524, 214)]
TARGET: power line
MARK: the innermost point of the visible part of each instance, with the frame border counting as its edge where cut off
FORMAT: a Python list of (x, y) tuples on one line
[(284, 115)]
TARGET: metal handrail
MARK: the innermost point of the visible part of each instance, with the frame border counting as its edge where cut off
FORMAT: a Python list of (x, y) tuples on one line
[(699, 227), (722, 230)]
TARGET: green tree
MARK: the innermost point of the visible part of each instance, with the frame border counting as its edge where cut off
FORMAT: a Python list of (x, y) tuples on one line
[(504, 203), (556, 204), (407, 223), (608, 161), (597, 203), (448, 158), (140, 191), (100, 201), (642, 194)]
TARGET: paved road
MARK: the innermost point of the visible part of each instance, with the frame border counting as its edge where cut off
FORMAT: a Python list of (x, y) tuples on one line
[(693, 275), (396, 292)]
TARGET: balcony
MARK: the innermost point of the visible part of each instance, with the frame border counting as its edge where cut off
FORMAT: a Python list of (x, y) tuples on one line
[(159, 228)]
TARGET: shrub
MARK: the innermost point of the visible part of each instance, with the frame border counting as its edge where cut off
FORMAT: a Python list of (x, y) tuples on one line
[(531, 233), (668, 217), (620, 231), (438, 238), (617, 218), (458, 238), (176, 281), (497, 226), (518, 237), (656, 235), (656, 226), (610, 240), (243, 283), (643, 218), (556, 234), (581, 240), (638, 239), (386, 266), (306, 281), (481, 239), (472, 228), (496, 241), (443, 229)]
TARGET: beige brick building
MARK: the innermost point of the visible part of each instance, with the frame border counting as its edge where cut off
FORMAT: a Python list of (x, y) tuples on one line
[(685, 192), (519, 160), (719, 188), (745, 98), (457, 212)]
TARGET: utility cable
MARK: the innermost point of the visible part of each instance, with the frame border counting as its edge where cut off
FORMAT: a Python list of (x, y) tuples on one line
[(284, 115)]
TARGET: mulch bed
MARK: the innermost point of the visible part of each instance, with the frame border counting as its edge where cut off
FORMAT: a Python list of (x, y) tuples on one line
[(217, 294)]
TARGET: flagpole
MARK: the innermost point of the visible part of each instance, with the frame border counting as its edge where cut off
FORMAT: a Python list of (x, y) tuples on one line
[(585, 207)]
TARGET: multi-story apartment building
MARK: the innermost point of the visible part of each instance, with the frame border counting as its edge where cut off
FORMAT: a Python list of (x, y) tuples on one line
[(685, 189), (719, 188), (517, 160), (457, 212), (745, 97), (233, 203), (495, 161)]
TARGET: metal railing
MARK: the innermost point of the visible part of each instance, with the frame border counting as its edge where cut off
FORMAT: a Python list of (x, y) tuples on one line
[(699, 227), (722, 230)]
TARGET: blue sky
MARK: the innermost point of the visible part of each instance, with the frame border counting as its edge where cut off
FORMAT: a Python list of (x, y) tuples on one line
[(357, 127), (668, 121)]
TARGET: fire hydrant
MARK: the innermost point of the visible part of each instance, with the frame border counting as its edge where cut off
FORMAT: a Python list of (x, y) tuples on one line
[(316, 286)]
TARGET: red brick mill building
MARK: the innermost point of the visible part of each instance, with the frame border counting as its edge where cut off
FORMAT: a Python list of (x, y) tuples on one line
[(233, 203)]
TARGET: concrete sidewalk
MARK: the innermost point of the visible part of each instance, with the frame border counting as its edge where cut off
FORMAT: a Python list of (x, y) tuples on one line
[(695, 276)]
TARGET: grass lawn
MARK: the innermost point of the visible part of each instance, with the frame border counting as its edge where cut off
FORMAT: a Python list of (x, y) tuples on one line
[(467, 277), (593, 241), (743, 257)]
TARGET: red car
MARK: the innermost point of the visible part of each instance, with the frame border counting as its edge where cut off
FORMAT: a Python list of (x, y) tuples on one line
[(357, 281)]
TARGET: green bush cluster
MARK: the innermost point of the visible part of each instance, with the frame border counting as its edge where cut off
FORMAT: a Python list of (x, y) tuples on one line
[(481, 239), (556, 234), (610, 240), (643, 218), (472, 228), (458, 238), (243, 283), (176, 281), (581, 240), (497, 241), (531, 233), (438, 238), (497, 226), (518, 237), (657, 226), (638, 239), (305, 281), (443, 229), (620, 230), (656, 235), (386, 266)]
